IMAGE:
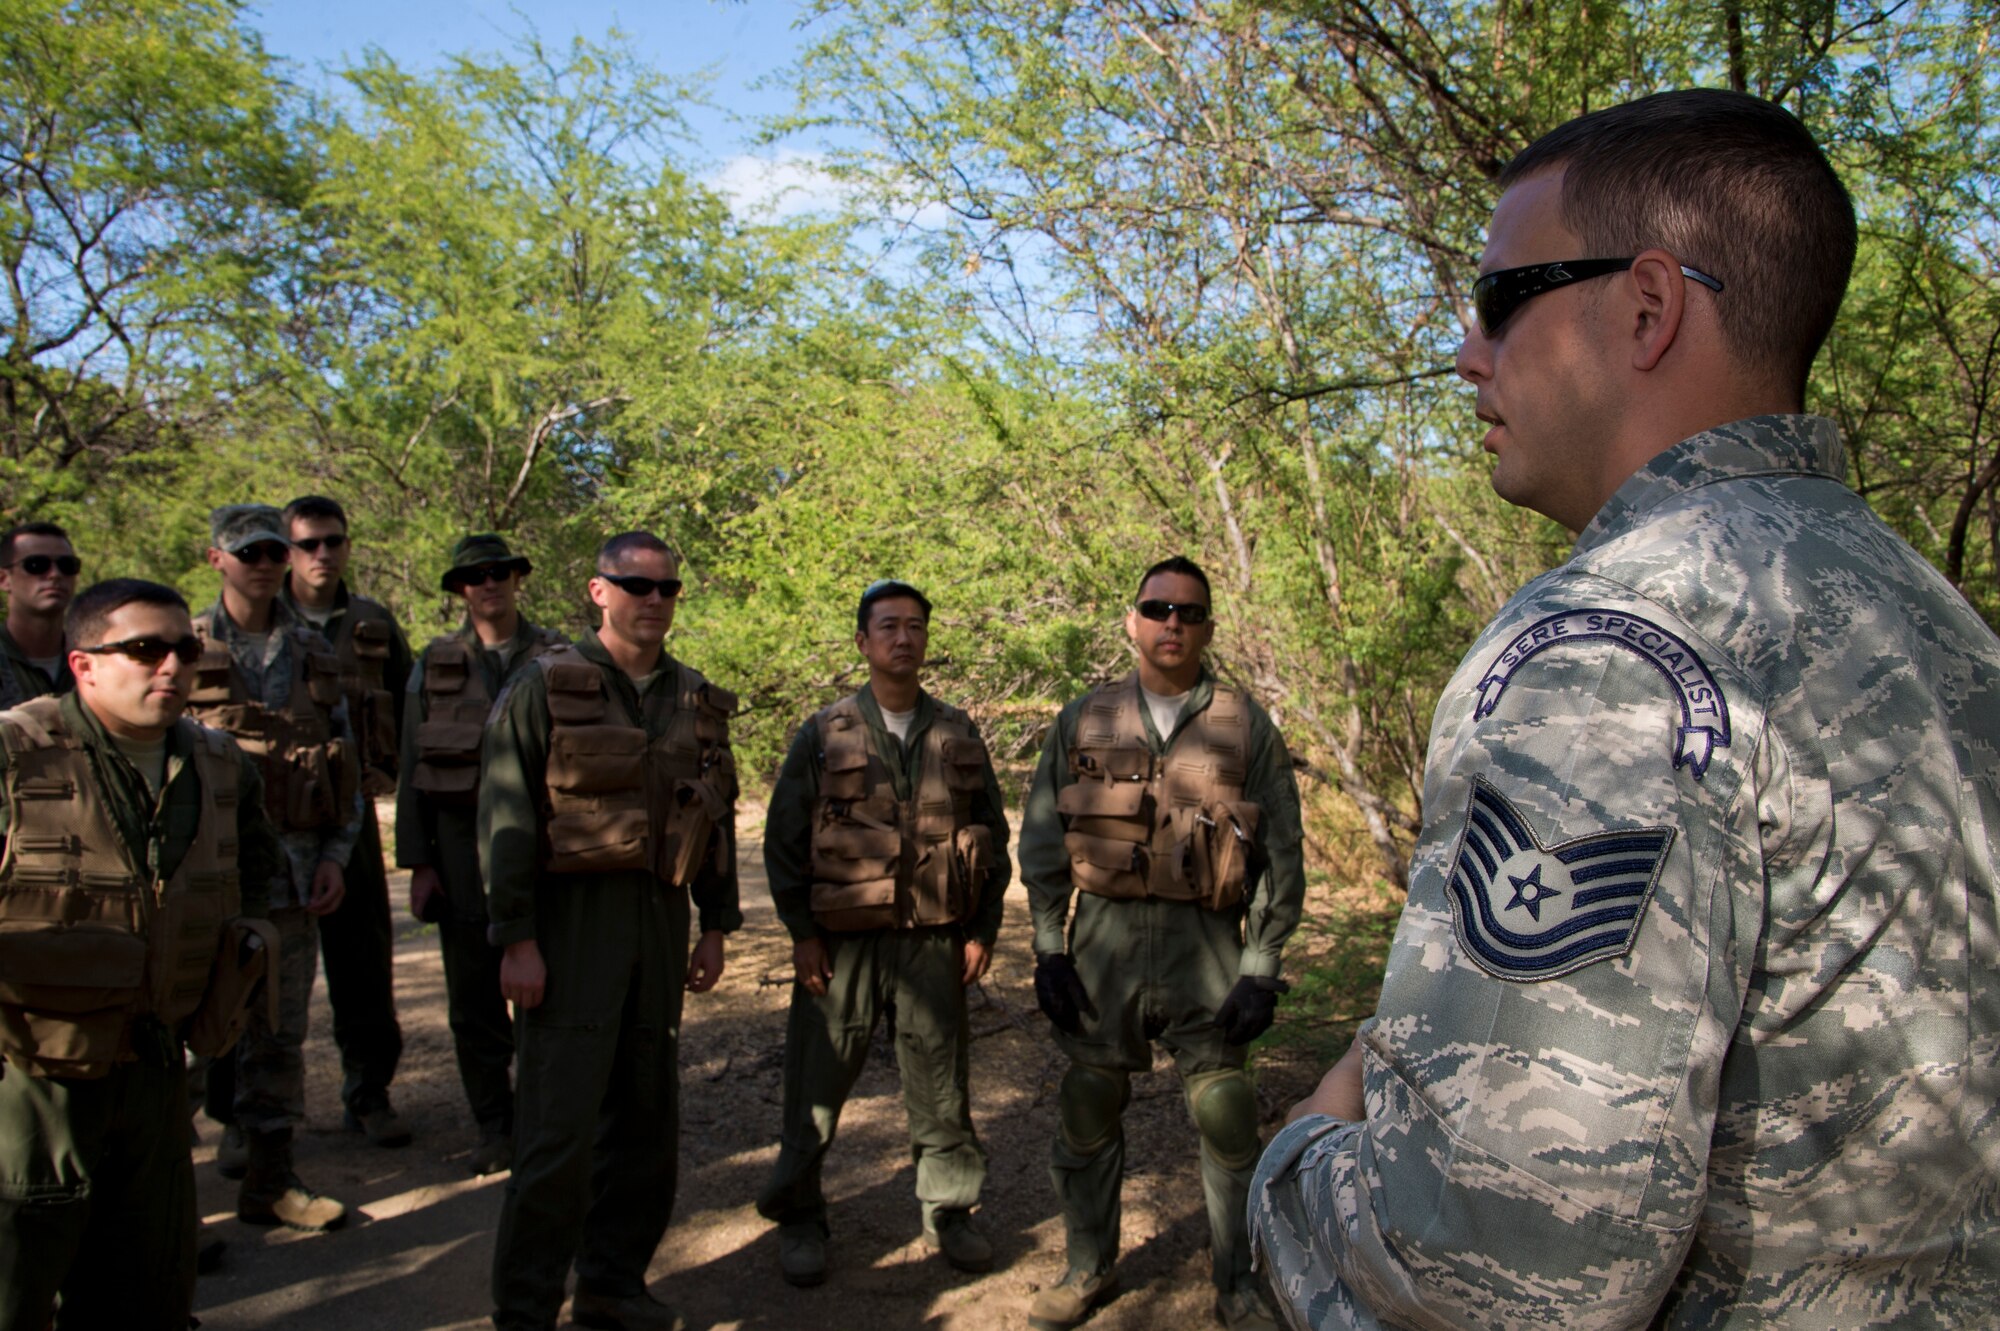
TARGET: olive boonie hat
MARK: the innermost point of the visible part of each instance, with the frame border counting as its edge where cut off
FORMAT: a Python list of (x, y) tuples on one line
[(235, 527), (479, 550)]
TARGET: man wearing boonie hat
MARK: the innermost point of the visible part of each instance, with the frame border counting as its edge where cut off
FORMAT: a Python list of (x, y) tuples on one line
[(451, 695)]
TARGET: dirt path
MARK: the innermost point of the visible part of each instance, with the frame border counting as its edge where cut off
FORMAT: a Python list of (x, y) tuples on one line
[(419, 1243)]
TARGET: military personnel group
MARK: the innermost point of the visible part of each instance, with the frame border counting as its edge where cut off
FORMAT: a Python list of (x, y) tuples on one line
[(1689, 1021)]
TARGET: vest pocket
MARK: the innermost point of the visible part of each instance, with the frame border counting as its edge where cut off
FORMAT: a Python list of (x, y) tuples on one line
[(964, 765), (850, 853), (1108, 867), (972, 858), (597, 841), (690, 824), (596, 760), (323, 680), (851, 907), (845, 772), (239, 975), (1091, 798), (71, 969), (1225, 843)]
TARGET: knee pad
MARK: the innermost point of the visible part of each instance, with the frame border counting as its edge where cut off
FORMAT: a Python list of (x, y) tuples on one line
[(1091, 1101), (1224, 1108)]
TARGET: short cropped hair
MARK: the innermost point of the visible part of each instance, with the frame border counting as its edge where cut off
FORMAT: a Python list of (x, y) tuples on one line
[(93, 607), (1729, 184), (631, 542), (13, 534), (313, 506), (887, 590), (1182, 565)]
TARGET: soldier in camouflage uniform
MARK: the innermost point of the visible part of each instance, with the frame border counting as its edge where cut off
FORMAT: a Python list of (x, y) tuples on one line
[(1164, 810), (38, 571), (357, 942), (452, 693), (1689, 1021)]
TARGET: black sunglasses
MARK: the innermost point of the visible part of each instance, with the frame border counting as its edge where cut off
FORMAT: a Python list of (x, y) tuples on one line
[(632, 585), (1161, 611), (1497, 295), (311, 544), (262, 551), (479, 577), (38, 566), (150, 650)]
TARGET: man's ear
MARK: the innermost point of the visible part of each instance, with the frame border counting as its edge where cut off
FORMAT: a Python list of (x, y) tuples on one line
[(1659, 294)]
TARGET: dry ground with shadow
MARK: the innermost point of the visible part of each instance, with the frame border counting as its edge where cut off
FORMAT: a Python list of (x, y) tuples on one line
[(419, 1242)]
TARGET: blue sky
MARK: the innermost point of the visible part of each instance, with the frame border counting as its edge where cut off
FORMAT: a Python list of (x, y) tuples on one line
[(736, 42)]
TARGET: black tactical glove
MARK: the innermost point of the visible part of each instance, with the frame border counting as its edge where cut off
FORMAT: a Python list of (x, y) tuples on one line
[(1060, 991), (1250, 1008)]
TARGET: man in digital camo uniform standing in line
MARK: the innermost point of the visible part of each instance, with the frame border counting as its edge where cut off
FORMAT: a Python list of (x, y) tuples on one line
[(134, 849), (1166, 809), (270, 681), (451, 696), (357, 942), (38, 571), (607, 796), (1690, 1020), (886, 848)]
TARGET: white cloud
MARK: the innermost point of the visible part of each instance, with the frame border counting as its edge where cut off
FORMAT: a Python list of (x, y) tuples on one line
[(788, 183)]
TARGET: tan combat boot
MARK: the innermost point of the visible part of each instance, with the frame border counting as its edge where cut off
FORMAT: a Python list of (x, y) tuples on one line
[(1066, 1305), (271, 1194)]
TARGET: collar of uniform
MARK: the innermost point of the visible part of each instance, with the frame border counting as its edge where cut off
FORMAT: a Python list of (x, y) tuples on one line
[(871, 712), (341, 597), (1199, 698), (524, 632), (83, 723), (594, 651), (1757, 446), (225, 628)]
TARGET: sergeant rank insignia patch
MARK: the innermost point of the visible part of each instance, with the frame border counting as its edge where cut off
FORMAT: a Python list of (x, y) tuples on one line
[(1525, 911)]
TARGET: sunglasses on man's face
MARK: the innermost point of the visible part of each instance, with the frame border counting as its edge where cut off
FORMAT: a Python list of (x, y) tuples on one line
[(1498, 294), (631, 585), (1161, 611), (485, 573), (262, 552), (311, 544), (38, 566), (151, 650)]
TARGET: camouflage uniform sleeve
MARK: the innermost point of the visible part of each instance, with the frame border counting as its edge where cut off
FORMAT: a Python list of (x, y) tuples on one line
[(260, 855), (416, 817), (1542, 1073), (1044, 861), (990, 808), (788, 835), (1278, 898), (512, 776)]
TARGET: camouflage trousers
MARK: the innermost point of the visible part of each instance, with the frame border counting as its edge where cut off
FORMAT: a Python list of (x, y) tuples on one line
[(262, 1085), (97, 1197), (826, 1046)]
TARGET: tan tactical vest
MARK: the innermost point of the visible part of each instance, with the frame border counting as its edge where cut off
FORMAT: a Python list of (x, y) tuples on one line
[(309, 773), (362, 648), (457, 707), (89, 939), (618, 800), (1177, 826), (883, 863)]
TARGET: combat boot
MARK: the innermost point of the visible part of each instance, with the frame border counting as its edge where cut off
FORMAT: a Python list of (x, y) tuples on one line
[(232, 1153), (271, 1194), (1066, 1305), (493, 1155), (802, 1253), (381, 1123), (952, 1233), (637, 1312), (1242, 1309)]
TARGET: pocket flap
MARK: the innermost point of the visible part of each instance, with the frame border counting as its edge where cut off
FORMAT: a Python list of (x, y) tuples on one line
[(1101, 799), (1124, 763), (371, 639), (1103, 852), (450, 741), (579, 833), (846, 758), (851, 841), (79, 956)]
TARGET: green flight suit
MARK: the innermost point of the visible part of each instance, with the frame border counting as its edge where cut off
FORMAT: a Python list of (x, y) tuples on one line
[(1158, 970), (918, 970), (97, 1200), (597, 1091), (445, 836), (21, 679), (357, 941)]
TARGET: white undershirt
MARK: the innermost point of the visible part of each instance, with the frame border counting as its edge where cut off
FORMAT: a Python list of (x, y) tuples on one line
[(1165, 707), (899, 723), (149, 759), (317, 617)]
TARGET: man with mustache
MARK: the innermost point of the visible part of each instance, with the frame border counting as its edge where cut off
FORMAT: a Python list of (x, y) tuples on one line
[(607, 798), (134, 848), (886, 848), (451, 697), (1165, 811)]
